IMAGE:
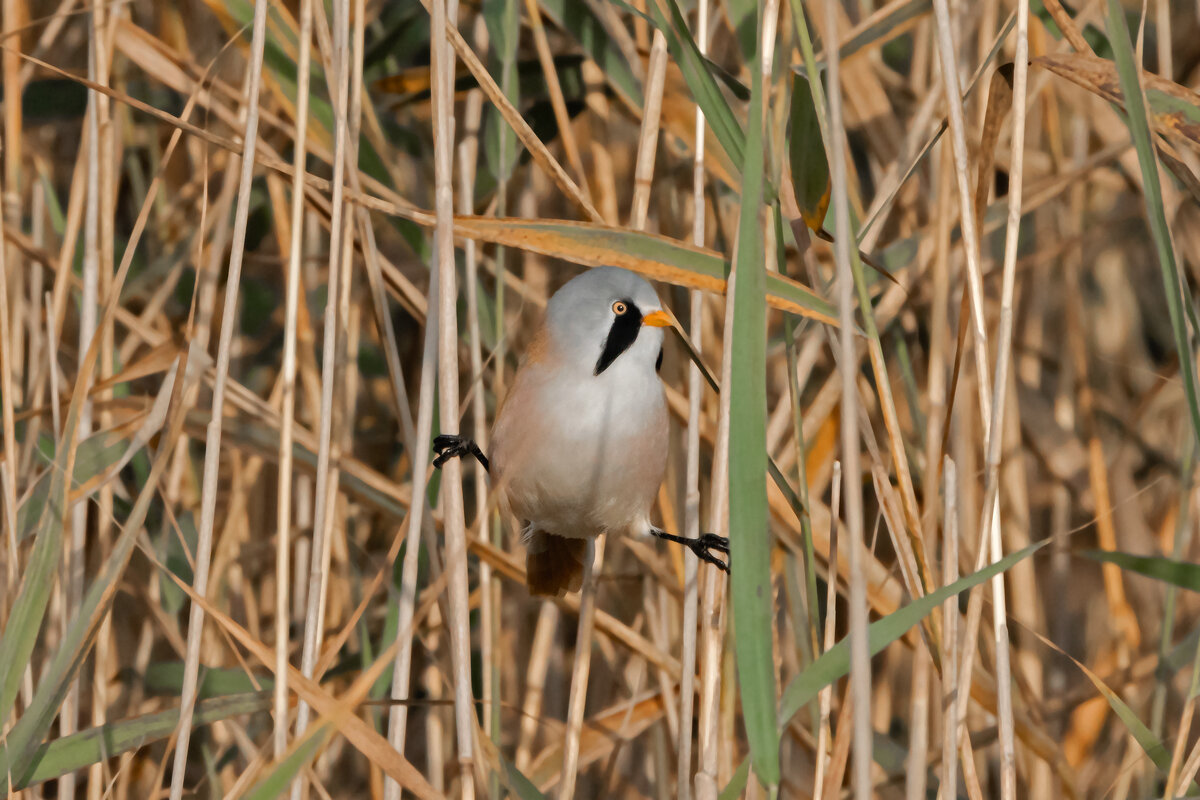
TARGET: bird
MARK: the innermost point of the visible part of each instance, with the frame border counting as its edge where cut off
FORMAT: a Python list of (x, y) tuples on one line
[(579, 444)]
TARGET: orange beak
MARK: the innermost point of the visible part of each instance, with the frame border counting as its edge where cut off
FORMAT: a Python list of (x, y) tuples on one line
[(657, 319)]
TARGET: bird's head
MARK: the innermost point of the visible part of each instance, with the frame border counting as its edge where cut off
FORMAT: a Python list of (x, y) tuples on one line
[(608, 316)]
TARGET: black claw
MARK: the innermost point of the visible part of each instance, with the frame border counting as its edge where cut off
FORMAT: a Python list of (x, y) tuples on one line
[(700, 546), (711, 559), (714, 542), (448, 447)]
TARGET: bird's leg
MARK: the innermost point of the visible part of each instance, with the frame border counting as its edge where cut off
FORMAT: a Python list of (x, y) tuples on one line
[(448, 447), (700, 546)]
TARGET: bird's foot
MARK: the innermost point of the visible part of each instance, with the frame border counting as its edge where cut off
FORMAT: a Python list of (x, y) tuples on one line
[(701, 546), (448, 447)]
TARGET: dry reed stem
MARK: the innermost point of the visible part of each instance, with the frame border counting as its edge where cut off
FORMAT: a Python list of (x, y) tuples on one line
[(825, 697), (970, 236), (328, 475), (967, 223), (107, 153), (213, 440), (444, 26), (643, 171), (991, 519), (714, 586), (535, 683), (842, 744), (1190, 767), (580, 668), (12, 152), (288, 398), (73, 565), (10, 439), (468, 152), (691, 600), (419, 519), (949, 648), (859, 693)]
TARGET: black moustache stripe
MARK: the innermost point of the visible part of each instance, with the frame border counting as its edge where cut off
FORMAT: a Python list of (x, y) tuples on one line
[(621, 336)]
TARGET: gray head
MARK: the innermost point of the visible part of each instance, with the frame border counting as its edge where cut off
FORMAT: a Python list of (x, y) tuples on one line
[(607, 318)]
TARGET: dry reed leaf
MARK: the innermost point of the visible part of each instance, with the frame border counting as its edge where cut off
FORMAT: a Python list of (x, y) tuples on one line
[(159, 359), (1174, 109), (652, 255)]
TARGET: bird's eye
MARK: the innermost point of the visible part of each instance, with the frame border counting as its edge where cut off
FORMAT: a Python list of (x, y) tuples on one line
[(619, 308)]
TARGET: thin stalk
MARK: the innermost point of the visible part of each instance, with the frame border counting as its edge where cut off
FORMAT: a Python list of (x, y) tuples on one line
[(10, 437), (918, 738), (12, 164), (208, 501), (419, 516), (535, 680), (468, 152), (825, 698), (288, 399), (327, 474), (991, 521), (52, 358), (75, 567), (580, 668), (950, 721), (102, 667), (714, 586), (970, 236), (444, 15), (643, 171), (860, 657), (687, 655), (35, 391)]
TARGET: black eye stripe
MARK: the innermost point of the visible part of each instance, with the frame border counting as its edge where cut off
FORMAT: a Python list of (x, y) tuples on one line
[(621, 336)]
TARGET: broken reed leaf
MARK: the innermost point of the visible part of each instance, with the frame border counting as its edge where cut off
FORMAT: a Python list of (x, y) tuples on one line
[(1174, 110)]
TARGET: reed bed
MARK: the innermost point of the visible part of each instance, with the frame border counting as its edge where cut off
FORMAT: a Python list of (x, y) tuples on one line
[(933, 373)]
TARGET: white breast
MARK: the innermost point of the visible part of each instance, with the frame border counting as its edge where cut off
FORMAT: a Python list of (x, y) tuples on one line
[(577, 454)]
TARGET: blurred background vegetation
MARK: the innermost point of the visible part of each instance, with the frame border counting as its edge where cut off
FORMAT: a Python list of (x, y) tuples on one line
[(146, 298)]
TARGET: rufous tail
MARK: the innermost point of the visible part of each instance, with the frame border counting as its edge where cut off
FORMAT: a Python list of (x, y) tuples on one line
[(553, 564)]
